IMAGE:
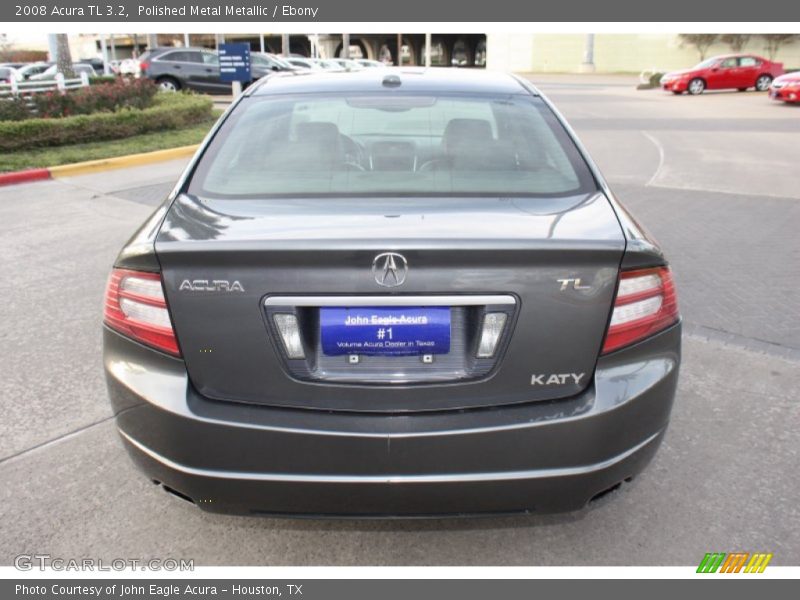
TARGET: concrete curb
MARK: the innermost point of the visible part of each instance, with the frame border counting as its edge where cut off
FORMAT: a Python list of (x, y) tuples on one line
[(96, 166), (24, 176), (120, 162)]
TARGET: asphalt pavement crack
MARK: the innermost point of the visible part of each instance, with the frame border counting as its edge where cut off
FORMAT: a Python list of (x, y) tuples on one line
[(714, 334), (54, 440)]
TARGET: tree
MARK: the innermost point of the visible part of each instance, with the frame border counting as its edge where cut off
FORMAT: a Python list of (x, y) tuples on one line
[(773, 42), (736, 41), (63, 55), (701, 41), (5, 45)]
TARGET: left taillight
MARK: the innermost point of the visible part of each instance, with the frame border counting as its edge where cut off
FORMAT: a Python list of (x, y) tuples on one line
[(135, 306), (645, 304)]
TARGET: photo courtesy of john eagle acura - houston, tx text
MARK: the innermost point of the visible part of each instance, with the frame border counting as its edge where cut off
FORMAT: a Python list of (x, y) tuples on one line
[(391, 292)]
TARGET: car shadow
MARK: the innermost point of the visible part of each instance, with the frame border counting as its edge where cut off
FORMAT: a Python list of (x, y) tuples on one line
[(479, 522), (731, 92)]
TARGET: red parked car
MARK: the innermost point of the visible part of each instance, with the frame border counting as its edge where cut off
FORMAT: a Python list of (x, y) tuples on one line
[(786, 88), (732, 71)]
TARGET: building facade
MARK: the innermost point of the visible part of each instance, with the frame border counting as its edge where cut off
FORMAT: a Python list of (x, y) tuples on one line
[(612, 53)]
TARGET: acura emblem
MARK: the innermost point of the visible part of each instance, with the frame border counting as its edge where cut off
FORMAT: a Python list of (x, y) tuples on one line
[(390, 269)]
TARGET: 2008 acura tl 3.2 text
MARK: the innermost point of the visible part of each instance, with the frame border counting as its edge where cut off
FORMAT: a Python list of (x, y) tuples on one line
[(401, 293)]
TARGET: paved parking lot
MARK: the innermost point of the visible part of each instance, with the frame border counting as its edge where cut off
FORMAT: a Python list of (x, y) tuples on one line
[(712, 179)]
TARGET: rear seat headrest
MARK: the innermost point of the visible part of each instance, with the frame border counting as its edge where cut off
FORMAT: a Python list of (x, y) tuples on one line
[(463, 133), (317, 131)]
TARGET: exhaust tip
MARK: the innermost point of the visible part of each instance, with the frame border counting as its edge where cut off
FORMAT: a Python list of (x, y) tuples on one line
[(177, 494), (606, 492)]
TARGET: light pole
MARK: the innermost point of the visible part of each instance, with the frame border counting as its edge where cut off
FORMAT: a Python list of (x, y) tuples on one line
[(104, 49), (587, 66), (427, 49), (399, 47), (345, 45)]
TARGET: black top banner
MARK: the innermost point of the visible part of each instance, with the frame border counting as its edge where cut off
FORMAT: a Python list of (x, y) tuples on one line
[(360, 11)]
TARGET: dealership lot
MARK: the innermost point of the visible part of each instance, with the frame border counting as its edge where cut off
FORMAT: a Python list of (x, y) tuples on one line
[(713, 177)]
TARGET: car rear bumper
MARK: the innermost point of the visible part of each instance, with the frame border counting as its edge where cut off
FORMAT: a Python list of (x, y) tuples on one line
[(543, 456)]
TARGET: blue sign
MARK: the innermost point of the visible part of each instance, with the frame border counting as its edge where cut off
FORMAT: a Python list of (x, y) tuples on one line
[(400, 331), (234, 62)]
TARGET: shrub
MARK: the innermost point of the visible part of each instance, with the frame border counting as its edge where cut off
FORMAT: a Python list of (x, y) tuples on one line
[(54, 104), (655, 79), (169, 111), (102, 79), (14, 108), (136, 93)]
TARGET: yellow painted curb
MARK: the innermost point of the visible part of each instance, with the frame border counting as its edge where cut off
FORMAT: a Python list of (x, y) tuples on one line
[(120, 162)]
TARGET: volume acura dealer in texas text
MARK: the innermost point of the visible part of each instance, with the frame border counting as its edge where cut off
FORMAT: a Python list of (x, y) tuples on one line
[(255, 10)]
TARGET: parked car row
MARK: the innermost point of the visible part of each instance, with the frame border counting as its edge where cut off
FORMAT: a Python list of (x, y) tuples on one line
[(176, 68), (198, 68), (39, 71), (333, 64), (735, 72)]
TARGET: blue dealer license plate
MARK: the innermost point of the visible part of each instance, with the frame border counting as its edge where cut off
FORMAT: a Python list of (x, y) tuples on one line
[(400, 331)]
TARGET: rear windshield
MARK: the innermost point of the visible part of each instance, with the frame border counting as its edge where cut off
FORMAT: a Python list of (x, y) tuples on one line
[(390, 144)]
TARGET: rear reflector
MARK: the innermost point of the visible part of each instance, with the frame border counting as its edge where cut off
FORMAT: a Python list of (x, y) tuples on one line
[(135, 306), (645, 304), (289, 330), (493, 325)]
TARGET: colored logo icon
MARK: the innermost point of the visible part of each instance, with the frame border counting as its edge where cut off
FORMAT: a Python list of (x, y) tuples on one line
[(735, 562)]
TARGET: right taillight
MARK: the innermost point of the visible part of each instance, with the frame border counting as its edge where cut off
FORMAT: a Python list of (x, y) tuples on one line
[(645, 304), (136, 307)]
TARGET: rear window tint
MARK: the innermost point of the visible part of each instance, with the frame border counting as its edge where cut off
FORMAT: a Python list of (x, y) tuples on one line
[(391, 144)]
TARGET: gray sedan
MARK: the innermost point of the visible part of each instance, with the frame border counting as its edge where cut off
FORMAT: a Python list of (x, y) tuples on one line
[(391, 293)]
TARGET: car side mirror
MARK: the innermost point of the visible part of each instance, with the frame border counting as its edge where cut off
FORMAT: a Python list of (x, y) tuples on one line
[(275, 68)]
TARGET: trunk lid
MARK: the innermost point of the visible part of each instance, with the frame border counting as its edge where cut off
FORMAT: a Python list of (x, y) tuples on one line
[(551, 264)]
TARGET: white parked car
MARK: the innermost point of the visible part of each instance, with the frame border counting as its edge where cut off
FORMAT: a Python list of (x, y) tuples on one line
[(50, 72), (130, 66), (28, 71)]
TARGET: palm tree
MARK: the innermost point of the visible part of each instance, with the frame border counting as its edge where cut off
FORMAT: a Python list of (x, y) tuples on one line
[(63, 56)]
